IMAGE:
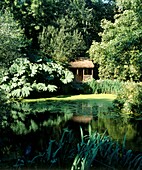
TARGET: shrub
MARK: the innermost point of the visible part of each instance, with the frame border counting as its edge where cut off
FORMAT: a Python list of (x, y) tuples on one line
[(24, 77), (128, 100)]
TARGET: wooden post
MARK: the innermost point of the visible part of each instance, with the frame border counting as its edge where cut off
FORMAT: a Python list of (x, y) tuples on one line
[(77, 71), (92, 72), (76, 76), (83, 73)]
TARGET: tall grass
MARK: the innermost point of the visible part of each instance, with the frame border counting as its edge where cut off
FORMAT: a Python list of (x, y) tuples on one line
[(92, 150), (101, 149), (104, 86)]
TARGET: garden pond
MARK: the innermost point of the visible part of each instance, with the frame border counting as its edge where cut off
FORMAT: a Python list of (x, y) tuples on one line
[(29, 127)]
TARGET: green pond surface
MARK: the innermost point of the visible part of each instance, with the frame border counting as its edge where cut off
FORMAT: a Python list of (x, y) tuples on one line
[(35, 123)]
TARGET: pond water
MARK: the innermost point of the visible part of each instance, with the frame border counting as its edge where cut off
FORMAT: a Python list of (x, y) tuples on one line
[(30, 126)]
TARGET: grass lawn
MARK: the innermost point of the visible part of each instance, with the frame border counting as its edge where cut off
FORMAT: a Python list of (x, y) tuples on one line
[(103, 97)]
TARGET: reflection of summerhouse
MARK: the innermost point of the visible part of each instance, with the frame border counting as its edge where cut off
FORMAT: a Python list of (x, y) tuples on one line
[(82, 69)]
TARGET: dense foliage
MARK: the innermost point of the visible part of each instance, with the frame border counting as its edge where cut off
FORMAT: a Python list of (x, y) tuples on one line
[(62, 30), (129, 100), (12, 39), (120, 51), (24, 77), (68, 21), (64, 42)]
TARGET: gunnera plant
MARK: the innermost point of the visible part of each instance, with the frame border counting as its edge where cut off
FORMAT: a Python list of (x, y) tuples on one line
[(24, 78)]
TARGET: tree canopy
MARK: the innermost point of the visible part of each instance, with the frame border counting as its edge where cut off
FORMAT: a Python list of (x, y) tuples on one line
[(77, 21), (12, 39), (64, 42), (119, 53)]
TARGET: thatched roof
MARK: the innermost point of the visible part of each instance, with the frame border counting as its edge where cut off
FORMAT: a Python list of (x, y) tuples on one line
[(82, 64)]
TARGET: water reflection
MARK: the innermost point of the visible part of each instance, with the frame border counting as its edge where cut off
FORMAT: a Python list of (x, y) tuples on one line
[(24, 118), (35, 124), (117, 126), (118, 129)]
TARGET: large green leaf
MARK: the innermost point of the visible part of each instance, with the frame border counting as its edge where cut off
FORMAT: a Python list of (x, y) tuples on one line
[(16, 93), (39, 77), (52, 88), (34, 69), (25, 91), (39, 86), (68, 77)]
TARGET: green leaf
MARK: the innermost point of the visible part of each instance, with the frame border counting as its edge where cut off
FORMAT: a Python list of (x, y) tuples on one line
[(68, 77), (4, 78), (5, 87), (39, 86), (34, 69), (25, 91), (13, 85), (51, 88), (16, 93), (33, 126)]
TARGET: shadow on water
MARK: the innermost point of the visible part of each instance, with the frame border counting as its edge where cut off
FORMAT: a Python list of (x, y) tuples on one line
[(29, 127)]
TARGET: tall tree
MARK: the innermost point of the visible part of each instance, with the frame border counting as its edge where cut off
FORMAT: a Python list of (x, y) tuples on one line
[(62, 42), (88, 15), (120, 51), (34, 15), (12, 39)]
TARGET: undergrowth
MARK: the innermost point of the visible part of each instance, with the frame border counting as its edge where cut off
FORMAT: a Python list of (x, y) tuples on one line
[(129, 100), (92, 150)]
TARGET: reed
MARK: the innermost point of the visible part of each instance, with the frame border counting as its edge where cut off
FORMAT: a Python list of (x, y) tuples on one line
[(92, 150), (104, 86), (101, 149)]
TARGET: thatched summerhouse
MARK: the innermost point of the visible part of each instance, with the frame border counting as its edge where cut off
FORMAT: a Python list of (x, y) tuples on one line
[(82, 69)]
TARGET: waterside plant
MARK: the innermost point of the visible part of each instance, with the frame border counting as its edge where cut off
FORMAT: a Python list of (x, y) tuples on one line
[(106, 86), (92, 150), (129, 100)]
